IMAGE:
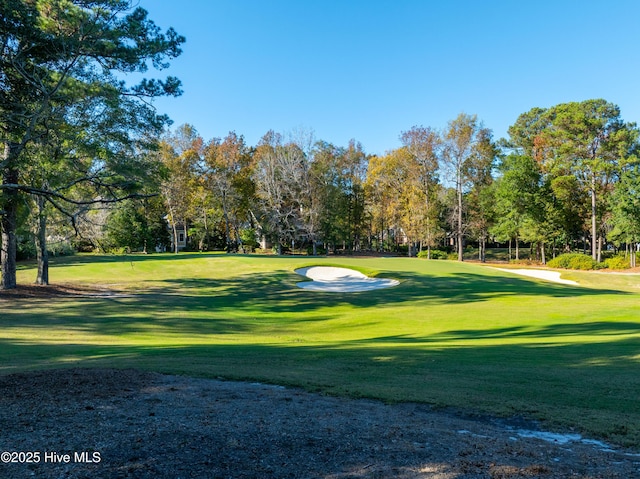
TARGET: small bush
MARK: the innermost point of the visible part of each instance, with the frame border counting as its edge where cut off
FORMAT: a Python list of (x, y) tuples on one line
[(435, 254), (61, 248), (573, 261), (617, 262), (320, 251), (83, 246), (119, 250)]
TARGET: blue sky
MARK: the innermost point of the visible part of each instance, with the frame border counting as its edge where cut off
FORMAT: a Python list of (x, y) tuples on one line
[(369, 70)]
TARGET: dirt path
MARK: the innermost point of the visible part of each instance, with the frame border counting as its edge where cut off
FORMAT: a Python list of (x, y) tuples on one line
[(144, 425)]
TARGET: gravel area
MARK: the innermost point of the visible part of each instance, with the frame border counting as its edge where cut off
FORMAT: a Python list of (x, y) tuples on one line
[(90, 423)]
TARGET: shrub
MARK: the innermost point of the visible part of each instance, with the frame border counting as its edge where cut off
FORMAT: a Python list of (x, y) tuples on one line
[(83, 245), (439, 254), (617, 262), (60, 248), (320, 251), (573, 261), (435, 254), (119, 250)]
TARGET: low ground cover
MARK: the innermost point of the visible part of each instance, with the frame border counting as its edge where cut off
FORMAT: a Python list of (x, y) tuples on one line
[(451, 334)]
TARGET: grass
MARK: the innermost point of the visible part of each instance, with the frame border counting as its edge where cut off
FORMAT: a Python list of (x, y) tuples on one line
[(451, 335)]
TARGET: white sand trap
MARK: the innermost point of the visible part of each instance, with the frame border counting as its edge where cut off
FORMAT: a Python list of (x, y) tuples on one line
[(340, 280), (540, 274)]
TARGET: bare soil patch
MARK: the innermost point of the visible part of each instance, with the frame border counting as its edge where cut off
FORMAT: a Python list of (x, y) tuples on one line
[(147, 425)]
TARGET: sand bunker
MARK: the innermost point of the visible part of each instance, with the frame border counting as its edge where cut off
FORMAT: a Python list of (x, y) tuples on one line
[(540, 274), (340, 280)]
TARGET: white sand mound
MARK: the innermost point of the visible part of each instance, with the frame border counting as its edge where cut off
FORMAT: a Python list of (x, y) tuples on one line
[(340, 280), (540, 274)]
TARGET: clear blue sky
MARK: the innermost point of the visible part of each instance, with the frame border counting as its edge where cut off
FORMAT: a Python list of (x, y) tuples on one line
[(368, 69)]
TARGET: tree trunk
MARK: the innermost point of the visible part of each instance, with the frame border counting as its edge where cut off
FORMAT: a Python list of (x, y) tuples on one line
[(543, 257), (9, 221), (42, 254), (594, 230), (174, 228), (9, 244), (227, 229), (459, 225), (204, 242)]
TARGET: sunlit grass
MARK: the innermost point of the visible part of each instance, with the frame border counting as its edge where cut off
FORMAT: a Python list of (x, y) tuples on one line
[(452, 335)]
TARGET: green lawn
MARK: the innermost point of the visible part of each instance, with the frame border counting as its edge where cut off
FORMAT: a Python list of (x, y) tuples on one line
[(452, 335)]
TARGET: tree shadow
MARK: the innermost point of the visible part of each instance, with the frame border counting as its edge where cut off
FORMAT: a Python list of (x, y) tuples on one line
[(593, 381), (277, 291), (228, 305)]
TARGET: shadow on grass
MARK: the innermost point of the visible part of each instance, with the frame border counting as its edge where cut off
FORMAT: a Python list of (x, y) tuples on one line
[(600, 329), (213, 306), (593, 386), (276, 292)]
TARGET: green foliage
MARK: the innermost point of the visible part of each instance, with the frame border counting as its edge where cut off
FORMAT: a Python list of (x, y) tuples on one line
[(83, 245), (625, 206), (60, 248), (435, 254), (319, 250), (63, 90), (136, 226), (573, 261), (26, 248), (248, 237), (617, 262)]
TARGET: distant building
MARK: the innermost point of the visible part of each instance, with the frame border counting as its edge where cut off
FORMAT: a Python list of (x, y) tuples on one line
[(182, 237), (181, 232)]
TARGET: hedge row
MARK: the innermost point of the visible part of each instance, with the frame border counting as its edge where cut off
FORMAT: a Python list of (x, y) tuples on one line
[(585, 262)]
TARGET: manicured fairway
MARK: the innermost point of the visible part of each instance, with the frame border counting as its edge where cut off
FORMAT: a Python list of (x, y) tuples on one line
[(451, 334)]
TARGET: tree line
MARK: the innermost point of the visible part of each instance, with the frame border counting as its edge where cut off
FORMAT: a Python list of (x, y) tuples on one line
[(85, 155), (566, 177)]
